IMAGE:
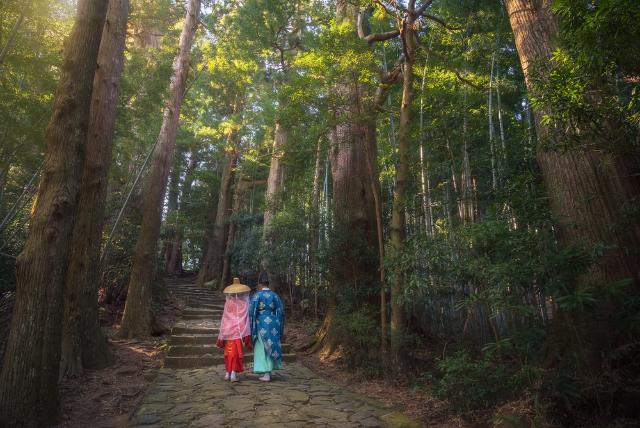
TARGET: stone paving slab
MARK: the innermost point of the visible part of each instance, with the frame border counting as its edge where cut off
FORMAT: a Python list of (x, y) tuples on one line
[(295, 398)]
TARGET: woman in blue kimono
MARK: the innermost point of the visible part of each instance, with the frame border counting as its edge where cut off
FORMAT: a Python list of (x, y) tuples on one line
[(267, 325)]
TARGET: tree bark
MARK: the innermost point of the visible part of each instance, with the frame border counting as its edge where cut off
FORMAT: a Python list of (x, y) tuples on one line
[(397, 232), (138, 316), (225, 276), (352, 146), (212, 264), (83, 343), (174, 258), (425, 184), (314, 227), (588, 189), (29, 379), (171, 248)]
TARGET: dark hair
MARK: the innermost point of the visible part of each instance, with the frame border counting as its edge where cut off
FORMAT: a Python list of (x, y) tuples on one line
[(263, 278)]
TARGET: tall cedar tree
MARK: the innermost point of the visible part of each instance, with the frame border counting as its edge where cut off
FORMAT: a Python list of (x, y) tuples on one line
[(83, 343), (588, 189), (212, 266), (171, 247), (29, 379), (352, 142), (138, 316)]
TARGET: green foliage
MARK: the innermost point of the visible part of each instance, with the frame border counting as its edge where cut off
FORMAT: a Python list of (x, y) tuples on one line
[(472, 383), (362, 350), (590, 91)]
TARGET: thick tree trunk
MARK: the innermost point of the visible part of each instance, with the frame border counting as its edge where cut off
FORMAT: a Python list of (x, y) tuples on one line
[(138, 316), (397, 232), (212, 264), (352, 147), (589, 190), (274, 183), (83, 343), (29, 379)]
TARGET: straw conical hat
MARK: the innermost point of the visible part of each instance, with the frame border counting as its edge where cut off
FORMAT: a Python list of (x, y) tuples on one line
[(236, 287)]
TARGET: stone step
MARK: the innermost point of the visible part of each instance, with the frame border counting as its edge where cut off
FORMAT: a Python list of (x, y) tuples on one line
[(206, 303), (201, 344), (194, 330), (202, 311), (200, 305), (190, 288), (205, 299), (200, 316), (193, 292), (189, 362), (199, 297), (193, 350), (194, 339)]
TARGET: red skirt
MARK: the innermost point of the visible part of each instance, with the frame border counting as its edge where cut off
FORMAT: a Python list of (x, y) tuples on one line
[(233, 355)]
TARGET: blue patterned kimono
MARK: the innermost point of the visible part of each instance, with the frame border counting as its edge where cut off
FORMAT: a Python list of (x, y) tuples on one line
[(267, 321)]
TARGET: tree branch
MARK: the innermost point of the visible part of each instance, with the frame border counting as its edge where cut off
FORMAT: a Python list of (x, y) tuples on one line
[(380, 37), (441, 22), (387, 79), (424, 7), (386, 9), (364, 31)]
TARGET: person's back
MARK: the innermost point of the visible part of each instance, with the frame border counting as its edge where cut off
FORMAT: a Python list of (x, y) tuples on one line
[(267, 328)]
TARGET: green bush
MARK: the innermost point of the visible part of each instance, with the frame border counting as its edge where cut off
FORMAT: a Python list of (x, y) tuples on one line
[(361, 326), (478, 383)]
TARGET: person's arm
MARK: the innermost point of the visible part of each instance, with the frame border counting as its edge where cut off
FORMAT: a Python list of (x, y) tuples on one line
[(252, 316), (282, 317)]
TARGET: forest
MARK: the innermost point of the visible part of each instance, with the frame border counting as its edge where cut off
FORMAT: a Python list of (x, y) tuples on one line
[(445, 194)]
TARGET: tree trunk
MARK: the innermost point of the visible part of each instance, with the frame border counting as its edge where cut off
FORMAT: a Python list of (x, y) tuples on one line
[(589, 190), (274, 183), (174, 258), (425, 184), (138, 316), (397, 232), (83, 343), (314, 227), (212, 264), (225, 277), (352, 146), (29, 379), (171, 248)]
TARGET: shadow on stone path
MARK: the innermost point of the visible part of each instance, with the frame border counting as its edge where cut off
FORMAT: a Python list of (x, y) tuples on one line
[(296, 397)]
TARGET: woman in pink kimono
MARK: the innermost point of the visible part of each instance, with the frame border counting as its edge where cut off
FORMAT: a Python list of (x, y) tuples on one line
[(234, 328)]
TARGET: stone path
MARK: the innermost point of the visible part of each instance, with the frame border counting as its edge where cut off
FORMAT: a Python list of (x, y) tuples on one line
[(190, 391)]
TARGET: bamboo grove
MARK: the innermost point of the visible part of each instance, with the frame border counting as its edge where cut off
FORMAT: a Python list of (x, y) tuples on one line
[(459, 178)]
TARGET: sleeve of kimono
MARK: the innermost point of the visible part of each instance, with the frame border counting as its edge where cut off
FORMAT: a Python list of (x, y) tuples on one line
[(280, 310), (253, 306)]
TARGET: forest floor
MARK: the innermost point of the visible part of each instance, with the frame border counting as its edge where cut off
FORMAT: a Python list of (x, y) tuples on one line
[(108, 397), (412, 398)]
